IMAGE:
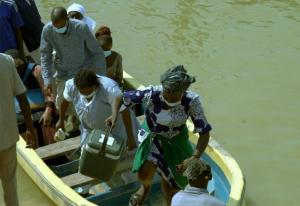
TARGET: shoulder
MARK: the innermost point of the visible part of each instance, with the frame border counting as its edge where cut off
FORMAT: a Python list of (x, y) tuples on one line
[(191, 95), (212, 200), (106, 82), (6, 60), (110, 86), (70, 84), (117, 54), (10, 4), (77, 24), (48, 27)]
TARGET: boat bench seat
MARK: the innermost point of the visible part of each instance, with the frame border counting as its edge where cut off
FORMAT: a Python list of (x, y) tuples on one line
[(58, 148), (77, 179)]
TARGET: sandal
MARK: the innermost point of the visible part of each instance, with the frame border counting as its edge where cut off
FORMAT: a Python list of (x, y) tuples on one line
[(136, 200)]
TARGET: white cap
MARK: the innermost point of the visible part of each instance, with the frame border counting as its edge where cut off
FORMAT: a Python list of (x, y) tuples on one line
[(79, 8), (76, 7)]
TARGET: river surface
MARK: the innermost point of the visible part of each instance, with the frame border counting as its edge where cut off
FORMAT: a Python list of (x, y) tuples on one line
[(245, 56)]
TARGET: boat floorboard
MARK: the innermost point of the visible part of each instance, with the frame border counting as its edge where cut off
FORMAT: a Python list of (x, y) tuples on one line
[(58, 148), (77, 180)]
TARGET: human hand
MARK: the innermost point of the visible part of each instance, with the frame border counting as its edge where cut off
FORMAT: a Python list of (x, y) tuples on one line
[(46, 118), (111, 121), (30, 138)]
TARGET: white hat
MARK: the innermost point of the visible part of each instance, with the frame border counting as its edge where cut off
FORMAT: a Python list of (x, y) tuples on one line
[(79, 8)]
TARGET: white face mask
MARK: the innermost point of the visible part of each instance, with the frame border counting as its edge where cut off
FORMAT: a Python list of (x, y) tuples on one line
[(91, 95), (170, 104), (107, 53), (61, 30)]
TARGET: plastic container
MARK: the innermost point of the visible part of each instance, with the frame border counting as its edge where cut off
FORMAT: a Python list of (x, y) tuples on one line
[(101, 154)]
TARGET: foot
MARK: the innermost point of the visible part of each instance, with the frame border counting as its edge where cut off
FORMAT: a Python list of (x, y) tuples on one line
[(138, 198)]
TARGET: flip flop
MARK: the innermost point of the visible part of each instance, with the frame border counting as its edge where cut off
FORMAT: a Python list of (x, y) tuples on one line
[(136, 200)]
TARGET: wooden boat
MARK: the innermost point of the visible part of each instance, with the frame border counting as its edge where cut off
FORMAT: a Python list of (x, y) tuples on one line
[(65, 186)]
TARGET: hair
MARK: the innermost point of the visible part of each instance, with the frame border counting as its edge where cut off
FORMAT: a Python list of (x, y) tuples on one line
[(197, 169), (86, 78), (103, 30), (176, 79), (58, 13)]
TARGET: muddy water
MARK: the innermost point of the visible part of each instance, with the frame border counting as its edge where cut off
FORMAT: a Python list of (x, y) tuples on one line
[(245, 56)]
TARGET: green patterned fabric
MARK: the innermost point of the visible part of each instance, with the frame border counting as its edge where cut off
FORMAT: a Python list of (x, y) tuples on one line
[(175, 150)]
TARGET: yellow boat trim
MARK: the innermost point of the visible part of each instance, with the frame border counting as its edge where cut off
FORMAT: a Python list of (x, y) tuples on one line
[(46, 180), (63, 195)]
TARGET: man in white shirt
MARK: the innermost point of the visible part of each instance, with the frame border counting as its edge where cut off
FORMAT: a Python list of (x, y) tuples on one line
[(10, 86), (93, 97), (198, 174)]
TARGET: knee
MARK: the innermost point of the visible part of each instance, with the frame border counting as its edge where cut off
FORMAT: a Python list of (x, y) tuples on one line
[(146, 173)]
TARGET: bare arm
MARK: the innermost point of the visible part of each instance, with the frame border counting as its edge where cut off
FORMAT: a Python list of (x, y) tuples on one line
[(19, 38), (32, 140), (128, 126), (115, 110), (201, 144), (62, 114)]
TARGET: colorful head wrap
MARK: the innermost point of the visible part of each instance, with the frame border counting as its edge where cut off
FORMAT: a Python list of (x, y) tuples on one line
[(176, 79)]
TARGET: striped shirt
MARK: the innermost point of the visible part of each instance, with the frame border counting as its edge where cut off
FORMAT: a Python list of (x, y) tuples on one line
[(75, 50)]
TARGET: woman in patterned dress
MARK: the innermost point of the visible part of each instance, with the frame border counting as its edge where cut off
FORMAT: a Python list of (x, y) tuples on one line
[(164, 146)]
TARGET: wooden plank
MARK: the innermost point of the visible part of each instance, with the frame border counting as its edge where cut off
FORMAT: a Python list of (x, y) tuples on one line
[(58, 148), (77, 180)]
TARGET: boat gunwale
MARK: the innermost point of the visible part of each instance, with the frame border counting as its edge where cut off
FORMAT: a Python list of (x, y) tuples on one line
[(43, 176)]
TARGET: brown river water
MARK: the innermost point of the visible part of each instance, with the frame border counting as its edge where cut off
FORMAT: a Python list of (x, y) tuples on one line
[(245, 56)]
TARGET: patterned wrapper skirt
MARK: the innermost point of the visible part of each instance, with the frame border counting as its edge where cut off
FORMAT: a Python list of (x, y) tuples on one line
[(165, 153)]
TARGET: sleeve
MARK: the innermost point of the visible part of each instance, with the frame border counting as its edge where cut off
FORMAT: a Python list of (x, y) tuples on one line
[(113, 92), (69, 90), (139, 96), (198, 118), (46, 57), (18, 86), (16, 19), (98, 59)]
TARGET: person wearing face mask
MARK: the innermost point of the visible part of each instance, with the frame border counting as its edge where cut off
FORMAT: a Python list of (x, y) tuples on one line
[(31, 75), (77, 11), (76, 49), (92, 96), (113, 58), (164, 146)]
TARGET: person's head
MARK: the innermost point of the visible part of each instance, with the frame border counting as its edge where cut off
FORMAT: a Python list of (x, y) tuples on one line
[(19, 61), (105, 42), (175, 81), (198, 173), (76, 11), (103, 30), (86, 81), (59, 19)]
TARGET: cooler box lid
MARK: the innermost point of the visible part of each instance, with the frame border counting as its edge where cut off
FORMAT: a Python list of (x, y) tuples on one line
[(114, 144)]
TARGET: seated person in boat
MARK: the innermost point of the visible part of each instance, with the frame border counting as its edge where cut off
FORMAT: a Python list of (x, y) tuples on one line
[(165, 146), (113, 59), (31, 76), (195, 193), (92, 96)]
